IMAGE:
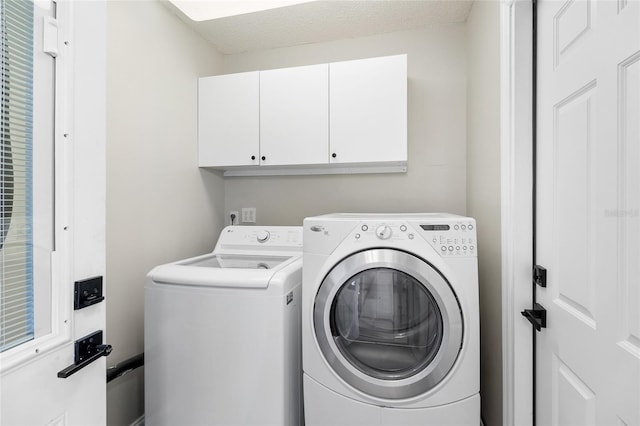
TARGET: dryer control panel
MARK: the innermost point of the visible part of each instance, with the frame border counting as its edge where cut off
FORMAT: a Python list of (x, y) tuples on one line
[(387, 231), (448, 234), (451, 239)]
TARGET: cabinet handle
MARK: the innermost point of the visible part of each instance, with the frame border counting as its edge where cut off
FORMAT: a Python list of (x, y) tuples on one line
[(334, 155), (264, 158), (253, 157)]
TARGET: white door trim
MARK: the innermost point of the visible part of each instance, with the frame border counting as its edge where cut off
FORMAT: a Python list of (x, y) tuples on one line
[(517, 211)]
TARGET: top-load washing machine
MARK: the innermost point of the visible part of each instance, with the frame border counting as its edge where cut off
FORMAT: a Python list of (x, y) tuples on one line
[(390, 321), (222, 333)]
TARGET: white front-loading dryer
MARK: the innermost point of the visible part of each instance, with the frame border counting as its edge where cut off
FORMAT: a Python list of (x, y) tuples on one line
[(390, 321)]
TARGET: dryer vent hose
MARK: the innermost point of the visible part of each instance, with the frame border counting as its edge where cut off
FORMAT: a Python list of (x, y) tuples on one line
[(125, 367)]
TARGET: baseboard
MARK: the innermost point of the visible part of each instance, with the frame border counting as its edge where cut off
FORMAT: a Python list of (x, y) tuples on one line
[(140, 421)]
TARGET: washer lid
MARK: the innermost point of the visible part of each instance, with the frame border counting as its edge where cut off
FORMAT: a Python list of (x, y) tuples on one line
[(236, 261), (226, 270)]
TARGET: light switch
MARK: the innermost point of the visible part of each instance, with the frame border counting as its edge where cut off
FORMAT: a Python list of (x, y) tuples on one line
[(249, 214)]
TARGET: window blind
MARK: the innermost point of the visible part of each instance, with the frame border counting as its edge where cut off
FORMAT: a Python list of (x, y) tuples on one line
[(16, 216)]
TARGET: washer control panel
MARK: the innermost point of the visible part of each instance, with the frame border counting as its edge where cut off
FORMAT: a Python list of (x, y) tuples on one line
[(263, 235), (284, 237), (452, 237)]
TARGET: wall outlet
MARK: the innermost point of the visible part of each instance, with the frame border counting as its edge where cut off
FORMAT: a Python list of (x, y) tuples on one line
[(234, 217), (249, 215)]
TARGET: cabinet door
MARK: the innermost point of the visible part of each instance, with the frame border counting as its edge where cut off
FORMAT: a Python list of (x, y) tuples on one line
[(294, 116), (228, 120), (368, 110)]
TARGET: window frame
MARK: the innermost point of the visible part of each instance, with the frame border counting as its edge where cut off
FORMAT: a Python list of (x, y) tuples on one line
[(60, 333)]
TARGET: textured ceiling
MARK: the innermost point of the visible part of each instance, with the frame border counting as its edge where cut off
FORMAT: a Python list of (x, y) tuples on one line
[(324, 21)]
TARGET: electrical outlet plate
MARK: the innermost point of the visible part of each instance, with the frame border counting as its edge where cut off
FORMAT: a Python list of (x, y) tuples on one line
[(249, 214), (236, 217)]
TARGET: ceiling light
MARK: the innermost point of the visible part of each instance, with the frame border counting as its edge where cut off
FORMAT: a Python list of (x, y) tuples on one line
[(205, 10)]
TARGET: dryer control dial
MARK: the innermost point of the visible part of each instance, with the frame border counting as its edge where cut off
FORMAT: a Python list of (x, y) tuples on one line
[(384, 232), (263, 236)]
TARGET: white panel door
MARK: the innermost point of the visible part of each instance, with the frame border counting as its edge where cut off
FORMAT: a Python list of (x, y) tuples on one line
[(31, 393), (368, 110), (229, 120), (588, 212), (294, 116)]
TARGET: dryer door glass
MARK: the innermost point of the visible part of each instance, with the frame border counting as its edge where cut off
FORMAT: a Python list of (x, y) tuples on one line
[(386, 323)]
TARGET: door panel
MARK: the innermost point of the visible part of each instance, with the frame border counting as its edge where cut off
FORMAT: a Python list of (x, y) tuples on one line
[(573, 186), (629, 201), (627, 213), (30, 391), (588, 220), (571, 26), (576, 401)]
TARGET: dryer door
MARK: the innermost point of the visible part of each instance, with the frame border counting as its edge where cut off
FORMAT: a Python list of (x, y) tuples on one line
[(388, 323)]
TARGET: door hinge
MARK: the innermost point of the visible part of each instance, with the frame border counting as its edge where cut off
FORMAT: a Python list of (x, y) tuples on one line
[(50, 36), (536, 316), (540, 276)]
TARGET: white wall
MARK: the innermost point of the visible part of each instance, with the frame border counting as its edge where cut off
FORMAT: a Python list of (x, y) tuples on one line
[(483, 191), (160, 206), (436, 180)]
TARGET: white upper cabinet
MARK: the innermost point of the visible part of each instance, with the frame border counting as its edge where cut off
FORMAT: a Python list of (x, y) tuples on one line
[(343, 117), (228, 120), (294, 116), (368, 110)]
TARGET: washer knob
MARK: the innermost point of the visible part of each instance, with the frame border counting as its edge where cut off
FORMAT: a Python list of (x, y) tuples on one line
[(263, 236), (383, 232)]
